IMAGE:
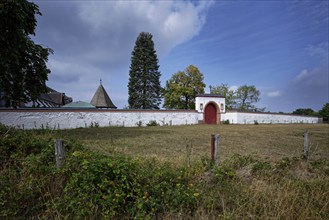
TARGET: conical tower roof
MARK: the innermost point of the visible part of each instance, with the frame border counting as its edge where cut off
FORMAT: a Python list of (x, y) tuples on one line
[(101, 99)]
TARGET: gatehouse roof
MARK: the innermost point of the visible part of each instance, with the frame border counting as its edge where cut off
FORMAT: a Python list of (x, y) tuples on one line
[(210, 95)]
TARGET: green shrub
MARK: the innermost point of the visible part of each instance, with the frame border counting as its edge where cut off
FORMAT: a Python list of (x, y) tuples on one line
[(152, 123), (90, 185)]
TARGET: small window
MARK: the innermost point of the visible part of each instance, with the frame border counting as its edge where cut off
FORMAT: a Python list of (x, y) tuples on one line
[(222, 107), (201, 106)]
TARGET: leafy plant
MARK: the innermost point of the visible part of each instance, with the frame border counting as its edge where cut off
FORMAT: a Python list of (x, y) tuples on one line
[(152, 123)]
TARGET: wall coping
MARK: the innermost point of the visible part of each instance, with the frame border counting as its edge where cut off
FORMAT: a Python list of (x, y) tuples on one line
[(93, 110), (269, 113)]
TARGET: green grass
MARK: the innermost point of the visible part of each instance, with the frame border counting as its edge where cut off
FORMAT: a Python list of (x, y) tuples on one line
[(271, 142), (165, 173)]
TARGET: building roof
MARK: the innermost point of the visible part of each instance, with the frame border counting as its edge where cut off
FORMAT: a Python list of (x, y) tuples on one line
[(210, 95), (101, 99), (53, 98), (79, 104)]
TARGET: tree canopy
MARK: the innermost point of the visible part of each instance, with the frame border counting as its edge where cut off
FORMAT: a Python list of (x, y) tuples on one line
[(144, 87), (246, 96), (182, 88), (303, 111), (225, 91), (324, 112), (23, 70)]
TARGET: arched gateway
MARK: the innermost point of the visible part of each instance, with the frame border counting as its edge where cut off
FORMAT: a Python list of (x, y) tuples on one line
[(210, 114), (210, 107)]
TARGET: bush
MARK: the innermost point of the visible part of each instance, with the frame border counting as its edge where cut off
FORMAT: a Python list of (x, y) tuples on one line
[(226, 122), (152, 123), (88, 185)]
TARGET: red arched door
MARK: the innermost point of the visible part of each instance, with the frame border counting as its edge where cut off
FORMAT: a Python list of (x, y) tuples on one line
[(210, 114)]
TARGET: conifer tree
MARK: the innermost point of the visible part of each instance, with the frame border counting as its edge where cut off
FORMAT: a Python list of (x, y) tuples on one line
[(144, 87)]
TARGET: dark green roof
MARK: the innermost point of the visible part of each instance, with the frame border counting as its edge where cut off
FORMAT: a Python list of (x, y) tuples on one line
[(79, 104)]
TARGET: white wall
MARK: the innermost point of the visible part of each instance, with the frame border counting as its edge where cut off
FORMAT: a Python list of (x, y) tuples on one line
[(266, 118), (64, 119)]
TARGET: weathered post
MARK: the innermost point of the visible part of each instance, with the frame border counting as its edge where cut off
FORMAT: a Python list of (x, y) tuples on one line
[(59, 152), (306, 145), (214, 148)]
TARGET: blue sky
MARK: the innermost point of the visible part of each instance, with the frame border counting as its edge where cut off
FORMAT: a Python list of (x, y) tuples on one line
[(281, 47)]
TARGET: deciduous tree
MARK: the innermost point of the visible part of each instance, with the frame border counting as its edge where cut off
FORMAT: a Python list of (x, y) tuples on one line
[(246, 96), (225, 91), (303, 111), (23, 70), (182, 88), (144, 87), (324, 112)]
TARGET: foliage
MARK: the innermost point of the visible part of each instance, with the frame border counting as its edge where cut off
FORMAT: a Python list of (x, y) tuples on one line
[(303, 111), (23, 70), (92, 185), (139, 123), (324, 112), (243, 98), (246, 96), (225, 91), (88, 185), (226, 122), (152, 123), (182, 88), (144, 87)]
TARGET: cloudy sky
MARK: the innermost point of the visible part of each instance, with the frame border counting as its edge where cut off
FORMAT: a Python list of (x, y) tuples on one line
[(280, 46)]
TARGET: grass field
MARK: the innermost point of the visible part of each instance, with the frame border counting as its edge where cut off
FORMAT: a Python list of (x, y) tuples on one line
[(270, 142), (165, 173)]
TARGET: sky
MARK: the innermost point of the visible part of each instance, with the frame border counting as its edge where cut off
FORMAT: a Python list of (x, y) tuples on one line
[(280, 46)]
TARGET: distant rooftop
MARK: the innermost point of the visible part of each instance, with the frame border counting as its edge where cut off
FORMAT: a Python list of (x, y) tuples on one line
[(79, 104), (101, 99)]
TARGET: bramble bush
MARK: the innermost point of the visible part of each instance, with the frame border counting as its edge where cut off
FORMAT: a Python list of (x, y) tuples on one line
[(87, 185), (91, 185)]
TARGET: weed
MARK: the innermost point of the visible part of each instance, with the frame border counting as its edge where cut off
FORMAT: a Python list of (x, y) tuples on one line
[(139, 124), (152, 123)]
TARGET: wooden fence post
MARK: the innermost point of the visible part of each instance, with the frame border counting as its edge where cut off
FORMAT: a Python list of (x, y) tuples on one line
[(306, 145), (214, 148), (59, 152)]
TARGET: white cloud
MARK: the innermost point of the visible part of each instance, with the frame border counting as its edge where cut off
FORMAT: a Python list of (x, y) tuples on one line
[(315, 77), (233, 88), (320, 50), (274, 94), (170, 22), (94, 39), (302, 75)]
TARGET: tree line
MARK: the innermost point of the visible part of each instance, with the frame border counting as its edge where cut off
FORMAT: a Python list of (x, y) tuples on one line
[(181, 89), (23, 70)]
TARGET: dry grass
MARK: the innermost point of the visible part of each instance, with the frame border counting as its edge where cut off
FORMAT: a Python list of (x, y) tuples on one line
[(270, 142), (267, 180)]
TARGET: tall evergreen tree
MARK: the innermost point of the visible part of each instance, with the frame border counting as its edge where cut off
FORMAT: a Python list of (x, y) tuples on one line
[(144, 87), (23, 70)]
